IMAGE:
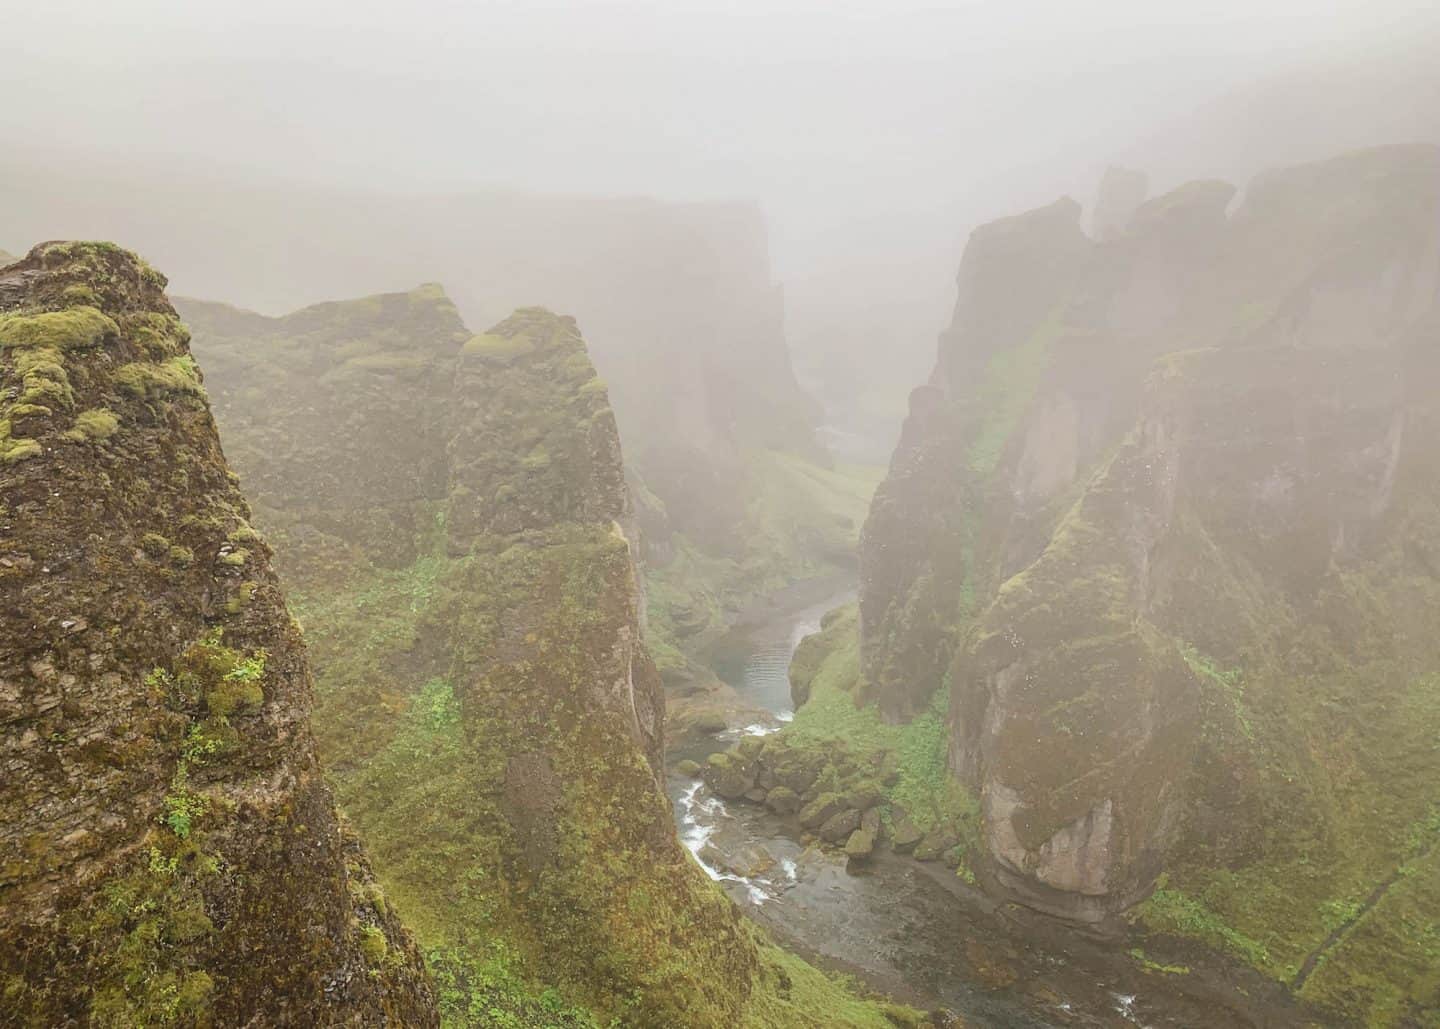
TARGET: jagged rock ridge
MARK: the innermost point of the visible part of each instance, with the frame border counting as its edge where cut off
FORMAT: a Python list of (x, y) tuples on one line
[(492, 715), (1162, 516), (169, 851)]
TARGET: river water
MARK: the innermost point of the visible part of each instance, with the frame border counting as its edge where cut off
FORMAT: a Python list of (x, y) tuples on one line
[(916, 931)]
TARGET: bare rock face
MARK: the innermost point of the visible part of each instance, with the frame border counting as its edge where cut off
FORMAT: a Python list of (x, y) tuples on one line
[(169, 851), (1153, 487)]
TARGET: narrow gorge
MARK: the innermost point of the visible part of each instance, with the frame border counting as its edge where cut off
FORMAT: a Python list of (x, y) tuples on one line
[(743, 516)]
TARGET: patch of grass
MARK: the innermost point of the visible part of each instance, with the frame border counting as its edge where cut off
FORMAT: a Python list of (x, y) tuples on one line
[(923, 786), (1011, 379), (792, 994), (483, 986), (1139, 955), (1170, 910)]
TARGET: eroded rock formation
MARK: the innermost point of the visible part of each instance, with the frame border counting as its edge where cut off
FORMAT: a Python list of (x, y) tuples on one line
[(1160, 521), (455, 509), (169, 851)]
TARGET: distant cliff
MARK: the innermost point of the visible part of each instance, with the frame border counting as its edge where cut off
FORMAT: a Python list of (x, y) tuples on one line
[(684, 318), (169, 852), (1163, 523), (454, 512)]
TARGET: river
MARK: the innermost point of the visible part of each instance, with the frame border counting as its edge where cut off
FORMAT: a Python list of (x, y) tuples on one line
[(914, 930)]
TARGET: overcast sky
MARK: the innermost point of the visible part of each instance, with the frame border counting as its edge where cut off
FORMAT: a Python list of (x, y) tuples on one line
[(873, 133)]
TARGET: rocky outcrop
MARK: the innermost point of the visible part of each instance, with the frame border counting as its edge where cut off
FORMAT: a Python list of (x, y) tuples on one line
[(169, 851), (1121, 192), (492, 713), (679, 301), (833, 794), (1162, 493)]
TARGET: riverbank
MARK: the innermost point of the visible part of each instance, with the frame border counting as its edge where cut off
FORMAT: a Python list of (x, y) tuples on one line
[(918, 932)]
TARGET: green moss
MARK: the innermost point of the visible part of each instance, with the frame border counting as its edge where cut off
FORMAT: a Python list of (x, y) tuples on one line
[(833, 718), (94, 425), (71, 329), (43, 381), (14, 450), (373, 945), (146, 379), (160, 336), (499, 348), (1005, 393)]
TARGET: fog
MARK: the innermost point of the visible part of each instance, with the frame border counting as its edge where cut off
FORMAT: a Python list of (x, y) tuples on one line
[(873, 135)]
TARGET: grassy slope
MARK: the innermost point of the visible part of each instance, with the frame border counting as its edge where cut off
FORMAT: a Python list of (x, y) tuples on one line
[(803, 521), (831, 722), (410, 777)]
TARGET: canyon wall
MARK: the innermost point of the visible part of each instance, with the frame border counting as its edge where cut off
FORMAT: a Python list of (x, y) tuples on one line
[(1161, 524), (163, 808)]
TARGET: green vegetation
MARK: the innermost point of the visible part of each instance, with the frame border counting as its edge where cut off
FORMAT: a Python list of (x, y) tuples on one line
[(791, 994), (174, 375), (803, 521), (499, 348), (149, 928), (1171, 911), (13, 449), (95, 425), (1138, 953), (1007, 390), (833, 720), (71, 329)]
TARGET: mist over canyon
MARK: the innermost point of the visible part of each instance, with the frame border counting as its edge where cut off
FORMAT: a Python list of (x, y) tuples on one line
[(797, 515)]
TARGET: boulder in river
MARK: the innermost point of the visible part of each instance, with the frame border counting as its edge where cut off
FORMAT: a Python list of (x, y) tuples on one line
[(864, 796), (728, 776), (936, 842), (745, 862), (839, 827), (688, 768), (783, 800), (821, 810), (860, 845), (905, 835)]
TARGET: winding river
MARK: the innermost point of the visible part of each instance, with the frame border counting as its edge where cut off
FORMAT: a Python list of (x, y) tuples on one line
[(913, 930)]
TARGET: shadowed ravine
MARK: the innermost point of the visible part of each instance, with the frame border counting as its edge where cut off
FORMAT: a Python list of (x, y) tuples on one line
[(914, 930)]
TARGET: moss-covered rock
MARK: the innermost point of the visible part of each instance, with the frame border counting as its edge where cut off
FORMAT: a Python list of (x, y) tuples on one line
[(163, 808), (458, 509), (1157, 533), (861, 845)]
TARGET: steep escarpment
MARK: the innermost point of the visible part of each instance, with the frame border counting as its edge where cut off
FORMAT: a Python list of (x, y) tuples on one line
[(163, 808), (1157, 534), (486, 701), (683, 315)]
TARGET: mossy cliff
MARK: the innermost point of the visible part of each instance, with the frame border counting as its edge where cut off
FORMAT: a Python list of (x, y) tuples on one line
[(169, 851), (1159, 536), (487, 705), (679, 302)]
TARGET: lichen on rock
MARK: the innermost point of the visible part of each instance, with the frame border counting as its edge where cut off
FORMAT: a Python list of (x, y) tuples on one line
[(164, 808)]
